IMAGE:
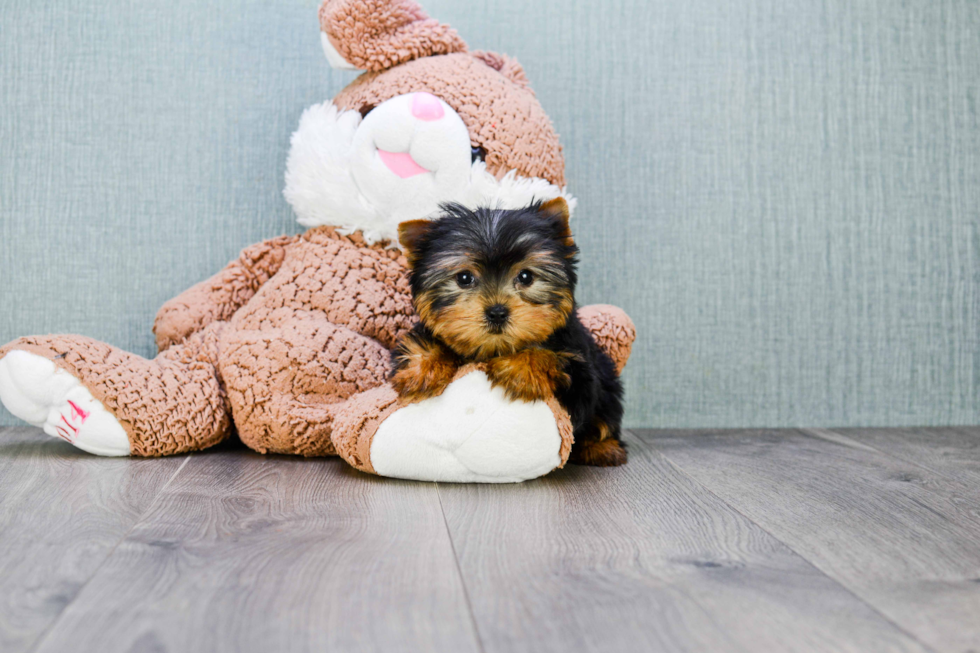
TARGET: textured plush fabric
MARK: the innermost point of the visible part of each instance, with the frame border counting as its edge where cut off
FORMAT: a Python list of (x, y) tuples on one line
[(490, 91), (500, 111), (355, 428), (613, 330), (782, 194), (379, 34), (317, 333), (220, 296)]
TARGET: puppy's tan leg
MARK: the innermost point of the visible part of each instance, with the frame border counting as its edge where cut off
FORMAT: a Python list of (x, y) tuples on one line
[(529, 375), (423, 368)]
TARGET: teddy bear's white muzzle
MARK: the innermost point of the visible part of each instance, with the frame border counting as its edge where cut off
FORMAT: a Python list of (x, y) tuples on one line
[(410, 154)]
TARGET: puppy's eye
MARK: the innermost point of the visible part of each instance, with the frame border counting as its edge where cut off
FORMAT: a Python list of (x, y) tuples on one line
[(465, 279), (478, 153), (525, 278)]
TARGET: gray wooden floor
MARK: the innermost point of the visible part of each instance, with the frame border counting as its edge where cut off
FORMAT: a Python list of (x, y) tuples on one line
[(792, 540)]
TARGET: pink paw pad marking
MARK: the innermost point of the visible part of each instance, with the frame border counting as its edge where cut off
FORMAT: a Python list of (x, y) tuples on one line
[(69, 430)]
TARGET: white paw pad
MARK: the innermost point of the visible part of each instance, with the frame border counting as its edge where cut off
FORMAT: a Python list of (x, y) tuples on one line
[(471, 433), (37, 391)]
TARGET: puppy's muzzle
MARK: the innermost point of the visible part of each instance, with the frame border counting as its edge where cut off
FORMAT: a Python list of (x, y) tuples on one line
[(497, 316)]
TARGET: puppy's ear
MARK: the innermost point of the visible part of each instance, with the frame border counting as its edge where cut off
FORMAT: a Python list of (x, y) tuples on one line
[(410, 234), (557, 210)]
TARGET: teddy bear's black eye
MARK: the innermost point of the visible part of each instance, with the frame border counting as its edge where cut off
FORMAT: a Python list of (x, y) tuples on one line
[(465, 279), (478, 153), (525, 277)]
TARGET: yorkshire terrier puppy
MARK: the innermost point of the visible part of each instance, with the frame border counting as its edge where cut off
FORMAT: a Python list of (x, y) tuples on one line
[(498, 286)]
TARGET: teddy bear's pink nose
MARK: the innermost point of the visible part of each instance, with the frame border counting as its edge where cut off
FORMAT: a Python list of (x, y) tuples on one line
[(426, 106)]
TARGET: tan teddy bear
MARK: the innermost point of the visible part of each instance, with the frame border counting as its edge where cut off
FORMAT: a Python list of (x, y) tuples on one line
[(289, 343)]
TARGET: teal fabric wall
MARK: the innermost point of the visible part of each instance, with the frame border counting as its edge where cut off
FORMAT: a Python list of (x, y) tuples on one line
[(784, 194)]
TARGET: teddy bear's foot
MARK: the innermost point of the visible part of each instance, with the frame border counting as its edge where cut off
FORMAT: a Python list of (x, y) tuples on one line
[(471, 433), (35, 390)]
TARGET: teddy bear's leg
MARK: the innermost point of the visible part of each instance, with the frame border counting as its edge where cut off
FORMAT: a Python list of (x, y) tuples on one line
[(470, 433), (35, 390), (110, 402), (285, 384)]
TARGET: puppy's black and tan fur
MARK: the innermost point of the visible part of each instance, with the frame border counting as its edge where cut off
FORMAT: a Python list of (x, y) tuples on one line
[(498, 286)]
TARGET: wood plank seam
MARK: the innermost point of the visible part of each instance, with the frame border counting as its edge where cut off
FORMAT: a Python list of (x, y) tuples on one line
[(459, 573), (812, 564), (310, 552), (831, 435), (149, 505)]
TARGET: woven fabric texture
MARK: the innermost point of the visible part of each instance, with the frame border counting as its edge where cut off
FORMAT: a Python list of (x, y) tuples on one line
[(783, 195)]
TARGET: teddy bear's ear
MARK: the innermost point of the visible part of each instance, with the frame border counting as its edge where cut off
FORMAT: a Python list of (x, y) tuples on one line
[(506, 66), (378, 34), (557, 210), (410, 234)]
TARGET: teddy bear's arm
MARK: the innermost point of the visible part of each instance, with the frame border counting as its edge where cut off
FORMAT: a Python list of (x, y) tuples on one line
[(220, 296), (612, 329)]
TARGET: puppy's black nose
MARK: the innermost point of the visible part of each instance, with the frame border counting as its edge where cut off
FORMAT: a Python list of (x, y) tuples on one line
[(497, 314)]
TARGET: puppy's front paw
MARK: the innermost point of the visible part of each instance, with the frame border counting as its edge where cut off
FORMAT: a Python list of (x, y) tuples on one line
[(423, 369), (529, 375)]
